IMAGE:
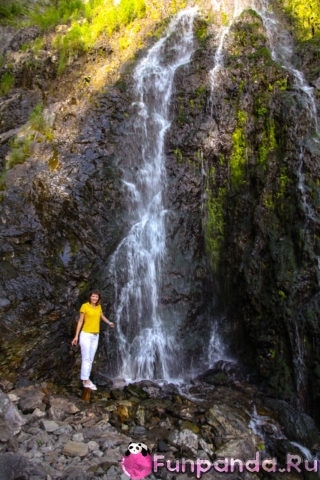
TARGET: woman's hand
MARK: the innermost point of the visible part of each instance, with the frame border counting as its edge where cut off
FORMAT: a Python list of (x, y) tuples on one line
[(74, 341)]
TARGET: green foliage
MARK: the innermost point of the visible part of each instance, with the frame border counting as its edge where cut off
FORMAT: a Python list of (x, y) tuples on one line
[(104, 20), (95, 14), (57, 12), (306, 17), (10, 11), (6, 83), (178, 155), (37, 129), (38, 122), (76, 42), (99, 17), (20, 151), (177, 5), (129, 10), (201, 31)]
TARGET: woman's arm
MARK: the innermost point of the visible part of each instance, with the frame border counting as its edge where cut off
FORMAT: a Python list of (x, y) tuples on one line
[(78, 329), (104, 318)]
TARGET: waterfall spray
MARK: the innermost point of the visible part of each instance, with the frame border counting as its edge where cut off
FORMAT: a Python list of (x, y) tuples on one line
[(146, 347)]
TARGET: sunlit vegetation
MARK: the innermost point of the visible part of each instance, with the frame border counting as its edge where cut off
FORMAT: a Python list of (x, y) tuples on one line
[(86, 22), (75, 27), (99, 15), (57, 12), (306, 17)]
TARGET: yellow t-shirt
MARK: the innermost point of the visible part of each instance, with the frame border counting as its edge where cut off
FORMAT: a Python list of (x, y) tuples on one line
[(92, 316)]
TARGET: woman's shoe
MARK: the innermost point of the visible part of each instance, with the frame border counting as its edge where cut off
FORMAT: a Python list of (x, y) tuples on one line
[(92, 386), (89, 385)]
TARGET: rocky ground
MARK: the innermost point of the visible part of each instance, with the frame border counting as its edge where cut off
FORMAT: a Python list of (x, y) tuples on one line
[(51, 433)]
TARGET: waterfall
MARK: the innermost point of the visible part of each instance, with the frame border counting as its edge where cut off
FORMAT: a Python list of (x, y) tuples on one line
[(146, 347)]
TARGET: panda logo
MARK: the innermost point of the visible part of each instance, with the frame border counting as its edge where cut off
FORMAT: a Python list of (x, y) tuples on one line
[(137, 461), (136, 448)]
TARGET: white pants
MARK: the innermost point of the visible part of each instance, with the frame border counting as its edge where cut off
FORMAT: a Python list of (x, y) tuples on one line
[(89, 344)]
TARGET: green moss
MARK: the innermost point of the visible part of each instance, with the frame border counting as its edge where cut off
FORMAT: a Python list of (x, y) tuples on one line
[(215, 220), (268, 142), (182, 116), (54, 162), (201, 32), (281, 84), (201, 90), (178, 155), (239, 151)]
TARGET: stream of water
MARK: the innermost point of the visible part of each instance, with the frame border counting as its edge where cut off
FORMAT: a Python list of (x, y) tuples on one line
[(147, 348)]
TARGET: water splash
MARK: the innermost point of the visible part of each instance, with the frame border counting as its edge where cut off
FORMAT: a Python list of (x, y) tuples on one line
[(147, 347), (216, 347), (264, 426)]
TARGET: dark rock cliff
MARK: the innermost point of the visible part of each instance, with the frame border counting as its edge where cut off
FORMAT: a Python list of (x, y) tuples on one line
[(243, 169)]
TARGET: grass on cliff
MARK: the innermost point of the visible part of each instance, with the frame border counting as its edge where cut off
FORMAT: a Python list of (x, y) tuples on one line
[(10, 11), (84, 23), (77, 25)]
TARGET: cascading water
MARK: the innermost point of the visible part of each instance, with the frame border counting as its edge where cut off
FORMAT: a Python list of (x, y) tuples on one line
[(281, 47), (146, 348), (222, 7)]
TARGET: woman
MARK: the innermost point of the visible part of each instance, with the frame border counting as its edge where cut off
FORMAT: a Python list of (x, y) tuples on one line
[(87, 334)]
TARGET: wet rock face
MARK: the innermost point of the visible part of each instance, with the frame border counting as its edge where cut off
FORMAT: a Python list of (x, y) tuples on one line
[(61, 220), (268, 264)]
